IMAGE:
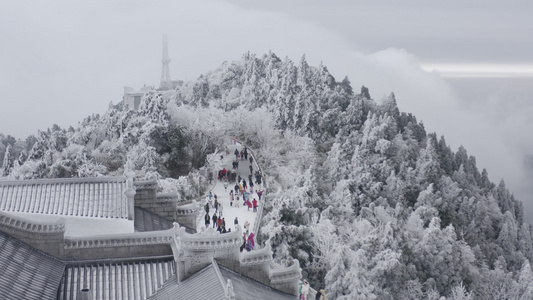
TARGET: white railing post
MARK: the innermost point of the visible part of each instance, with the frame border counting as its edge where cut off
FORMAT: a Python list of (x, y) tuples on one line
[(130, 188)]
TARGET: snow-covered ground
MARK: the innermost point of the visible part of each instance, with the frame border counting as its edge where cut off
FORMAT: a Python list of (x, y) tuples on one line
[(229, 213)]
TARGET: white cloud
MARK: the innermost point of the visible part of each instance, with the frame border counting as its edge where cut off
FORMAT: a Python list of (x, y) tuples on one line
[(489, 70)]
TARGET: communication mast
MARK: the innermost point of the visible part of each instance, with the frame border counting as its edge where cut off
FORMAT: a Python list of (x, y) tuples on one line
[(166, 82)]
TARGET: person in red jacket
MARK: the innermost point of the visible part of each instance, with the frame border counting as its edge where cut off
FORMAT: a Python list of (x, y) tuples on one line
[(254, 203)]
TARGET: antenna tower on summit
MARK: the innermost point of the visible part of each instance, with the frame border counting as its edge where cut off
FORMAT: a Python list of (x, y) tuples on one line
[(166, 82)]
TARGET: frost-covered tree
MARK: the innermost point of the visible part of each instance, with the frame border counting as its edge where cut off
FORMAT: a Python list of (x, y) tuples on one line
[(372, 205), (7, 163)]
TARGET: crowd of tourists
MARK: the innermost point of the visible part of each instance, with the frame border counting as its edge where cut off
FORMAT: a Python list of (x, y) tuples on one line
[(246, 192)]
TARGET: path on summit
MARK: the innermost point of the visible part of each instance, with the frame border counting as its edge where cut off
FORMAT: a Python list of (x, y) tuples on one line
[(229, 213)]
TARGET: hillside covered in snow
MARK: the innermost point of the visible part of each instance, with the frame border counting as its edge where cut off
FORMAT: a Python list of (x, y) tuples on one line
[(372, 205)]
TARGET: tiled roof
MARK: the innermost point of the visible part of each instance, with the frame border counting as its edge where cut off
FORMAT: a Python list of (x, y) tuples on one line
[(134, 279), (247, 288), (27, 273), (210, 283), (89, 197), (148, 221), (204, 284)]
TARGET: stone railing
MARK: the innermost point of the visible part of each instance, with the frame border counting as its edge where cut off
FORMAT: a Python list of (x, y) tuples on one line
[(123, 240), (24, 224), (288, 274), (145, 184), (85, 197), (210, 239), (47, 236), (259, 216), (167, 197), (188, 208), (257, 256)]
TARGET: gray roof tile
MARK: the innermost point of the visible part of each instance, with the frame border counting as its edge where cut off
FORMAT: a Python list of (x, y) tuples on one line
[(204, 284), (27, 273), (88, 197), (117, 279), (246, 288), (148, 221), (208, 284)]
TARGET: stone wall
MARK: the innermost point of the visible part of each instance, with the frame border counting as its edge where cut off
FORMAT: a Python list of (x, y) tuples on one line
[(258, 264), (286, 279), (187, 215), (139, 244), (47, 237), (193, 252), (163, 205), (124, 251)]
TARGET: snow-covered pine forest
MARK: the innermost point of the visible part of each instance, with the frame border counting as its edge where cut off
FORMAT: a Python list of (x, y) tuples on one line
[(372, 205)]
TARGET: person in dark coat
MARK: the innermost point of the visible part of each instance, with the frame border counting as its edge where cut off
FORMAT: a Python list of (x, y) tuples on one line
[(243, 242), (207, 220), (215, 220), (236, 221), (236, 153)]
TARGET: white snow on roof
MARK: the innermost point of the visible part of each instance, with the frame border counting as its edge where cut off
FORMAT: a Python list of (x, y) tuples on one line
[(88, 197), (82, 226)]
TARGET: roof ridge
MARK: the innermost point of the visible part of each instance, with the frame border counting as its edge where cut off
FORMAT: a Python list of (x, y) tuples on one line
[(119, 260), (219, 275)]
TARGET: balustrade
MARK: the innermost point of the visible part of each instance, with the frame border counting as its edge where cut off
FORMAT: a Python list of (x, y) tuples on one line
[(123, 240), (18, 223)]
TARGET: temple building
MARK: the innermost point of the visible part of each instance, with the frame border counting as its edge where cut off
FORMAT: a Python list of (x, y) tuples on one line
[(53, 246)]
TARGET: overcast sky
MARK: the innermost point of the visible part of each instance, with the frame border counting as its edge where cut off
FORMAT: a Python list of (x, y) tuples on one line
[(465, 68)]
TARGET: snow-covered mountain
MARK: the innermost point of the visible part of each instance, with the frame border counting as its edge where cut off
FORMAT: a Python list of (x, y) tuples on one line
[(371, 205)]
